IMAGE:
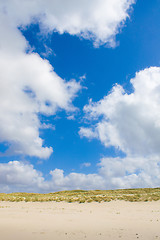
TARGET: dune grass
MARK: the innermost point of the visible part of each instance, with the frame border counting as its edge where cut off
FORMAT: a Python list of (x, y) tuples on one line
[(81, 196)]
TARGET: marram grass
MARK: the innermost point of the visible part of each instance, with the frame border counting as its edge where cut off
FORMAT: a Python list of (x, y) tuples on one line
[(82, 196)]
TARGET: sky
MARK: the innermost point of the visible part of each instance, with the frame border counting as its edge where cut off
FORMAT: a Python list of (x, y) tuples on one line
[(79, 95)]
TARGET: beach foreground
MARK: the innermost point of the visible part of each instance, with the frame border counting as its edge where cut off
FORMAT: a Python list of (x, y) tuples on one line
[(61, 221)]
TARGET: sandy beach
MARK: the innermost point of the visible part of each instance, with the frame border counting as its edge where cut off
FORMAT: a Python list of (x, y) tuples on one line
[(62, 221)]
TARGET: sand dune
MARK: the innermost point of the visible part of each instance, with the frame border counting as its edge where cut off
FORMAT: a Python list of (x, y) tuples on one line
[(62, 221)]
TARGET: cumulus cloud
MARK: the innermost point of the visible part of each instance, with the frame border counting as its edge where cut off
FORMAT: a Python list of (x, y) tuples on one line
[(113, 173), (87, 132), (99, 20), (130, 172), (18, 176), (75, 181), (129, 122), (29, 85)]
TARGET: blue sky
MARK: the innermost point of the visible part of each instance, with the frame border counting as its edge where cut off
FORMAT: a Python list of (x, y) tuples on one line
[(66, 75)]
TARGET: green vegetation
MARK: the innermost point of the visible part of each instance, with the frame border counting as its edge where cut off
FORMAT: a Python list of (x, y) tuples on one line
[(81, 196)]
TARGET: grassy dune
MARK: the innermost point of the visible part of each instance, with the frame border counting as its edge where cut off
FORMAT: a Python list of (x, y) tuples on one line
[(81, 196)]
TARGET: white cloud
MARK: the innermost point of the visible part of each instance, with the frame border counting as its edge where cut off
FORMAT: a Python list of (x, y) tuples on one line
[(74, 181), (28, 84), (130, 172), (99, 20), (87, 132), (17, 176), (113, 173), (130, 123), (28, 87)]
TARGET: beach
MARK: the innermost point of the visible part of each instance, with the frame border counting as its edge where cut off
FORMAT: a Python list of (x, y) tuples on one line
[(61, 221)]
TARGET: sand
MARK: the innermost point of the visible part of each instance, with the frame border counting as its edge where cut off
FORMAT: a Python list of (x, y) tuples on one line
[(90, 221)]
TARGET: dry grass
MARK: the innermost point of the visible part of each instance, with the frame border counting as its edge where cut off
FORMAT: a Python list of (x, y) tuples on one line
[(81, 196)]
